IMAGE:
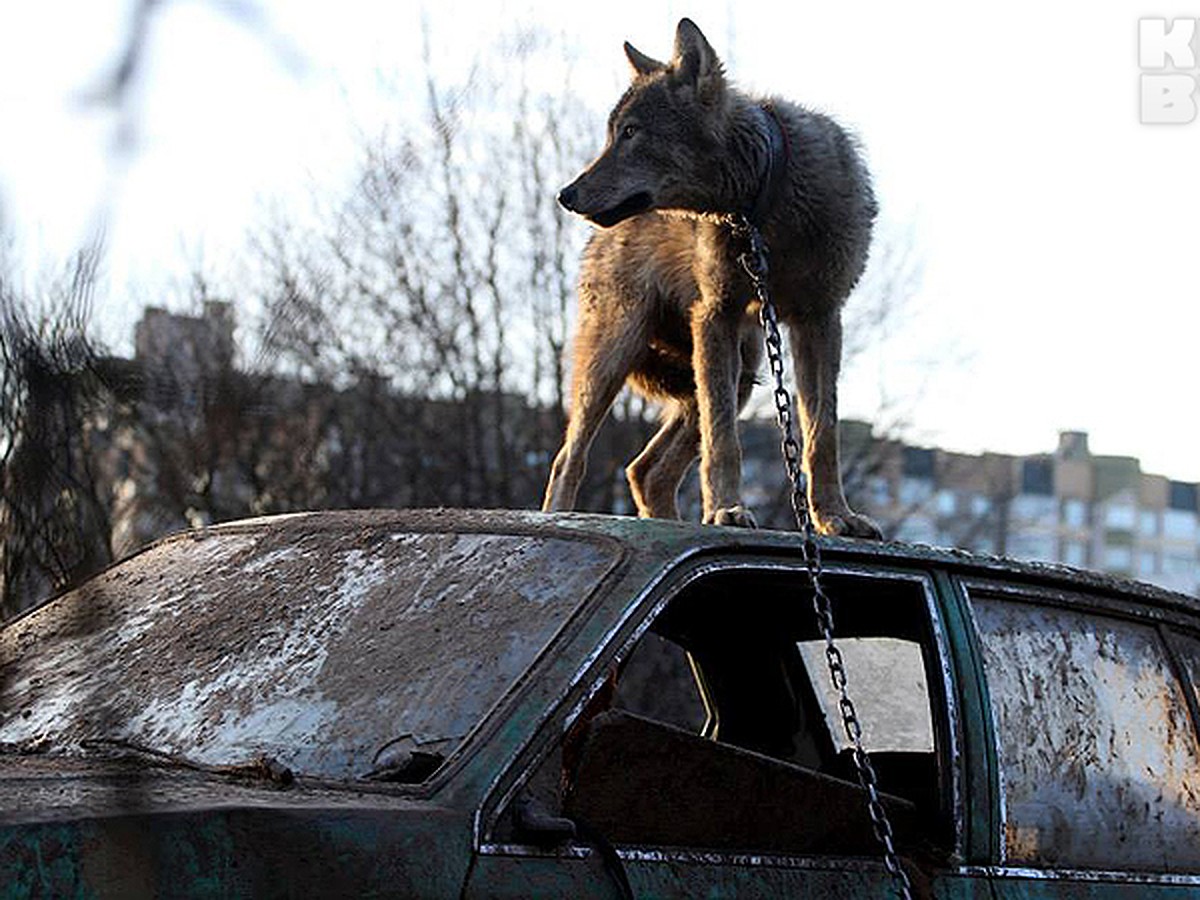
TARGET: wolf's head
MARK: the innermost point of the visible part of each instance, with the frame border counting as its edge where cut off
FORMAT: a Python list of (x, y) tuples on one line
[(664, 137)]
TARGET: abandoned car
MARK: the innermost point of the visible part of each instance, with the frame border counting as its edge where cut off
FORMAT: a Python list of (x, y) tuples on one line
[(470, 704)]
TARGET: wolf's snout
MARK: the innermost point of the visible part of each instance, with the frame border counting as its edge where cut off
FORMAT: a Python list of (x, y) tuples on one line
[(568, 197)]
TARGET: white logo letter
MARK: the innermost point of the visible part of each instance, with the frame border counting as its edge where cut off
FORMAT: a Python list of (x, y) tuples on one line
[(1167, 99), (1155, 43)]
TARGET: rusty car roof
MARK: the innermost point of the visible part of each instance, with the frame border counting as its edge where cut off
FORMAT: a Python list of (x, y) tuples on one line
[(673, 540)]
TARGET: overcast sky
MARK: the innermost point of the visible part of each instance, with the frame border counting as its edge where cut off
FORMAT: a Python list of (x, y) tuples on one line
[(1058, 234)]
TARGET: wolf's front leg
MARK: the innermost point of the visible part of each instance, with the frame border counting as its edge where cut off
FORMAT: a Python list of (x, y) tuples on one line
[(817, 352), (717, 364)]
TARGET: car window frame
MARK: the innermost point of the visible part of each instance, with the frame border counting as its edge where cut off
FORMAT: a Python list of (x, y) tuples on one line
[(1085, 599), (634, 620)]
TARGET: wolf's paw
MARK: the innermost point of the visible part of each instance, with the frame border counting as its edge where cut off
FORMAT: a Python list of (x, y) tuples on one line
[(847, 524), (737, 516)]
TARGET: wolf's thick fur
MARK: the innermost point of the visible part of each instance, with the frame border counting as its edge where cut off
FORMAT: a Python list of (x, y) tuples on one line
[(664, 303)]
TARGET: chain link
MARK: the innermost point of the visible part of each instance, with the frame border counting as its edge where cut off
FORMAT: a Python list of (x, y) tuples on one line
[(754, 260)]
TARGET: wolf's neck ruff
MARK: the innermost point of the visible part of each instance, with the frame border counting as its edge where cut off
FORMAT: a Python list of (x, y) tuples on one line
[(778, 152)]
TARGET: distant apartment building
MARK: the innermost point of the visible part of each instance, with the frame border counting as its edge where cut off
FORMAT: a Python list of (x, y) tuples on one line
[(1069, 506), (212, 442)]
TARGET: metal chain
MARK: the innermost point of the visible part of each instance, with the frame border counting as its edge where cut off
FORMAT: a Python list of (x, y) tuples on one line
[(754, 260)]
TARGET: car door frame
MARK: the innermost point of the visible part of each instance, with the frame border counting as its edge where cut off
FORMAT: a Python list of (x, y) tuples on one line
[(963, 720)]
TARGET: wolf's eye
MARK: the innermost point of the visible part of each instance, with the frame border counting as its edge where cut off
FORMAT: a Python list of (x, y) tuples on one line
[(629, 131)]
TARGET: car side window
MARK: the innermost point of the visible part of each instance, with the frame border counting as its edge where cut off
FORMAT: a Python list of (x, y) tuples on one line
[(721, 731), (1099, 759)]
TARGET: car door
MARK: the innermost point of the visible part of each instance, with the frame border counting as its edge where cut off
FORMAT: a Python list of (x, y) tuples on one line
[(703, 754), (1097, 750)]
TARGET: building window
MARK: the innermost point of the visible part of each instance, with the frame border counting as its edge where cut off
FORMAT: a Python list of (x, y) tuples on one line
[(1178, 562), (1074, 553), (1147, 563), (1037, 476), (1148, 522), (980, 505), (1182, 496), (880, 490), (1029, 509), (919, 462), (1074, 513), (1120, 516), (947, 503), (915, 491), (1118, 558), (1179, 524)]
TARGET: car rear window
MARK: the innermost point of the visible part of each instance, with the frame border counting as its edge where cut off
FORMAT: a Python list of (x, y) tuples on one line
[(332, 652), (1100, 765)]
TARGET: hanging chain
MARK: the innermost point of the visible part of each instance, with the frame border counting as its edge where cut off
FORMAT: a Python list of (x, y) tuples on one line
[(754, 260)]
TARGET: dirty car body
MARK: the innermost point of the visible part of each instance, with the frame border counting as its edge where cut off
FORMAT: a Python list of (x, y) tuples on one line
[(440, 704)]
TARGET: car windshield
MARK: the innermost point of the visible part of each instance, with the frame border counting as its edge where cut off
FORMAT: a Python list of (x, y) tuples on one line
[(325, 649)]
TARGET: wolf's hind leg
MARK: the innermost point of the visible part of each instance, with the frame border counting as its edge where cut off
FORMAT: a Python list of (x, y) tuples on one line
[(655, 474), (817, 352)]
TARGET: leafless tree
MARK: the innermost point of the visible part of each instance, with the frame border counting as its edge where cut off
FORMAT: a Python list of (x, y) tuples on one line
[(446, 277), (54, 512)]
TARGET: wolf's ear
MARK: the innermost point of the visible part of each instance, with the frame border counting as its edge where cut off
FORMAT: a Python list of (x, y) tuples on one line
[(696, 62), (642, 64)]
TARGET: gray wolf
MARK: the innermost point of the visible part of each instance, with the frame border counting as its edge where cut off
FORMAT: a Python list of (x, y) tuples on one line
[(664, 303)]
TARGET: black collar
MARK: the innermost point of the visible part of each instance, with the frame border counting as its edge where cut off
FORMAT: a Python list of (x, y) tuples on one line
[(776, 167)]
